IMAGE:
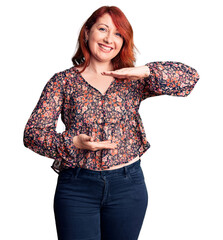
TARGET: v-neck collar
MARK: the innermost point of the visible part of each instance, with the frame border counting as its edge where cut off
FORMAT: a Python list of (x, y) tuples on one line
[(84, 80)]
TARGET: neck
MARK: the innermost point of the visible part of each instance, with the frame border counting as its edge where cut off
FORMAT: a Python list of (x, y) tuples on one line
[(99, 67)]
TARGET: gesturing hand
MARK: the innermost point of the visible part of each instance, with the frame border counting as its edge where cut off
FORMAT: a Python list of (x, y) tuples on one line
[(131, 73), (84, 141)]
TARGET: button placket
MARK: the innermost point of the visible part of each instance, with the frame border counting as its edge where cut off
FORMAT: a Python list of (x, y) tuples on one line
[(103, 135)]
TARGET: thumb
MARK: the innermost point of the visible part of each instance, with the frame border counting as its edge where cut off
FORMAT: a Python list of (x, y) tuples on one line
[(88, 138)]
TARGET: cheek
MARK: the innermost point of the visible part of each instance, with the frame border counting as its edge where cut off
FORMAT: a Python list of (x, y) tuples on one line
[(120, 43), (92, 41), (92, 46)]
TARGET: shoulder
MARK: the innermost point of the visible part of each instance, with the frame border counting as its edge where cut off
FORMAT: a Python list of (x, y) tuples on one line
[(68, 72), (65, 75)]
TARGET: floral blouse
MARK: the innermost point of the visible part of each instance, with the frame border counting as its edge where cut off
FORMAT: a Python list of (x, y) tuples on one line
[(113, 116)]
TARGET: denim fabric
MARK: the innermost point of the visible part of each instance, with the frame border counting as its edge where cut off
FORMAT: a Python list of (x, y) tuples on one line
[(100, 205)]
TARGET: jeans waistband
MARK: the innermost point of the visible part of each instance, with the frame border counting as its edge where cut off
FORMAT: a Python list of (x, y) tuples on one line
[(121, 170)]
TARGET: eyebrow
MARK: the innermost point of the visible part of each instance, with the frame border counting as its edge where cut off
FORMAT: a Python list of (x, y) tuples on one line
[(105, 25)]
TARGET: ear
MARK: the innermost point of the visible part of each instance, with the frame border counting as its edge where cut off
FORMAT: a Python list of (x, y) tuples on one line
[(86, 32)]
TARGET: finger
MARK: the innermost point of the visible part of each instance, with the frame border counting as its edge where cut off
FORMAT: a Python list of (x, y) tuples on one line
[(105, 141), (104, 145), (119, 76), (108, 145), (86, 138), (108, 74), (114, 73)]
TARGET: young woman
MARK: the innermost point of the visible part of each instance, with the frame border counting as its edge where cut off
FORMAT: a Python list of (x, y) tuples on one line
[(101, 191)]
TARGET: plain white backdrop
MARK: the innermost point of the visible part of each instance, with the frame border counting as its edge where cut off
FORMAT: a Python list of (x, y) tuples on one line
[(183, 168)]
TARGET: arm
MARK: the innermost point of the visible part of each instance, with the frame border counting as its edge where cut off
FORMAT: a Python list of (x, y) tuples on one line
[(40, 131), (169, 78)]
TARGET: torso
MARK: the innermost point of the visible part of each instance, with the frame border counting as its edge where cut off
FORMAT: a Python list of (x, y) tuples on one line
[(102, 83)]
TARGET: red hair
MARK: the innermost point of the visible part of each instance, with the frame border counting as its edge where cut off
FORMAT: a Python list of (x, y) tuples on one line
[(126, 56)]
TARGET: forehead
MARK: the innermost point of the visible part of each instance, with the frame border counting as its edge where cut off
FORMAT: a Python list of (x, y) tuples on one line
[(106, 20)]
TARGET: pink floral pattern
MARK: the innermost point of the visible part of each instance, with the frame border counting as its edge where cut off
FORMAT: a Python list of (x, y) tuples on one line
[(113, 116)]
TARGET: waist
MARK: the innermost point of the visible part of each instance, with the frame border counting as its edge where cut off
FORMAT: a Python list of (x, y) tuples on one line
[(121, 165), (96, 173)]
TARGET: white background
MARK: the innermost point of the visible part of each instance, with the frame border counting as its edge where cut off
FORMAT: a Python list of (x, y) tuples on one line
[(183, 168)]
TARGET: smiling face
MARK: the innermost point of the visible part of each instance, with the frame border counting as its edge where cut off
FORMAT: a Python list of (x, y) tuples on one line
[(104, 40)]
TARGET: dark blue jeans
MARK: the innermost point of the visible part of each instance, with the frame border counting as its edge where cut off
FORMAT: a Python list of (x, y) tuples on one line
[(100, 205)]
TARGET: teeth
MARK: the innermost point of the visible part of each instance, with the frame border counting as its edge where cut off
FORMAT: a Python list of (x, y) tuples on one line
[(106, 48)]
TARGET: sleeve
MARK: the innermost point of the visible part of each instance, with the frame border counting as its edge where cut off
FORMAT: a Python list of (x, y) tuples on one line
[(40, 131), (169, 78)]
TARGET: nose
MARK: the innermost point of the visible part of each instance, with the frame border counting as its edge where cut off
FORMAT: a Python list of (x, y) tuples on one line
[(108, 38)]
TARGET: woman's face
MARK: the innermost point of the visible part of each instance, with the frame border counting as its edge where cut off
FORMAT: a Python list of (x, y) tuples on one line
[(104, 40)]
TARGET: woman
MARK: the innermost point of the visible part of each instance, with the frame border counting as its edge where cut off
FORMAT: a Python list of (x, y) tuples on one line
[(101, 192)]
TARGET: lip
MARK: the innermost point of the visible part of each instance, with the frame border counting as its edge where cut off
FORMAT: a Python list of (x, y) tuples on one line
[(105, 45)]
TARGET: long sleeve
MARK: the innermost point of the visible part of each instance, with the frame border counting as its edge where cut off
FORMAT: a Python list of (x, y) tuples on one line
[(169, 78), (40, 131)]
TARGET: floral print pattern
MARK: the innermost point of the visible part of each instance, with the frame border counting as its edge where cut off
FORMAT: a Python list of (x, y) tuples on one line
[(113, 116)]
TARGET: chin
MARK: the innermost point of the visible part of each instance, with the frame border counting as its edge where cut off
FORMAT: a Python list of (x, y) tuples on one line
[(105, 59)]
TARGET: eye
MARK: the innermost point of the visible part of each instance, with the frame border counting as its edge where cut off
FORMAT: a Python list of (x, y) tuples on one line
[(102, 29), (119, 34)]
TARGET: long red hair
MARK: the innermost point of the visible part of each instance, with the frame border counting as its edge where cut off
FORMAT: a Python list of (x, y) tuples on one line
[(126, 56)]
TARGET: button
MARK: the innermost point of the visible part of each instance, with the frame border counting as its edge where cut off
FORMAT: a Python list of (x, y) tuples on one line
[(100, 120), (103, 173)]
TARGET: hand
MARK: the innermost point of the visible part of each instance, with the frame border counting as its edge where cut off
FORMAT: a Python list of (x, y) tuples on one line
[(84, 141), (131, 73)]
